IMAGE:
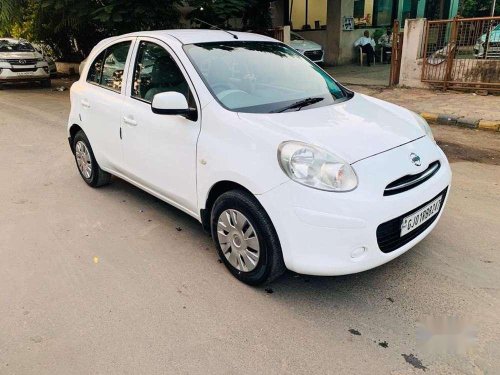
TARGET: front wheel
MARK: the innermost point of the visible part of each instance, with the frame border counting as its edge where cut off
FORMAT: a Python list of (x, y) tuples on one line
[(245, 238)]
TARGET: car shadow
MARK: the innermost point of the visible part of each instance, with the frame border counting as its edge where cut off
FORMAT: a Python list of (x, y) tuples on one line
[(291, 286), (21, 85)]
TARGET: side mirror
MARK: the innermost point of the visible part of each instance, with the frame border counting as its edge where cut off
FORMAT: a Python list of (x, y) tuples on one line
[(172, 103)]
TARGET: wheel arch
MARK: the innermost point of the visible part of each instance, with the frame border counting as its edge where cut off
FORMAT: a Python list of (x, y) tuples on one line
[(216, 191), (75, 128)]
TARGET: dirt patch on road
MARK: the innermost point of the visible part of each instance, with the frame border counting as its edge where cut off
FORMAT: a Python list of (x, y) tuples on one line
[(471, 145), (459, 152)]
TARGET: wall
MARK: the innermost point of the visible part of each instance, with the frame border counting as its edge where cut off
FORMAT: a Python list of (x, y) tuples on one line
[(67, 68), (411, 63), (318, 36), (317, 12), (348, 53)]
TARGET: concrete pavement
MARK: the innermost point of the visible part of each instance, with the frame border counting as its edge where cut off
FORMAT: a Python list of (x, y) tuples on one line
[(103, 282)]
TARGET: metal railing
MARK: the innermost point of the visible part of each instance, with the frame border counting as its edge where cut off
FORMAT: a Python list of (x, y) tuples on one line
[(462, 53)]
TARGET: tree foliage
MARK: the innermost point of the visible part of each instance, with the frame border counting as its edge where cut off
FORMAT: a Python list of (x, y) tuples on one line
[(254, 14), (477, 8), (73, 27)]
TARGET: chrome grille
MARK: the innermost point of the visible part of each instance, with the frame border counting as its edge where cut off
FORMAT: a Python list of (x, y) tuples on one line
[(314, 55), (22, 61), (412, 180)]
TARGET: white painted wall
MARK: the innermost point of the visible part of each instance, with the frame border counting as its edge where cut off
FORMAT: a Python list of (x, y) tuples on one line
[(411, 63)]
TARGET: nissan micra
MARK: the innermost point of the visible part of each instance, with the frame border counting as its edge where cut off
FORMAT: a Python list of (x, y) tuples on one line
[(284, 166)]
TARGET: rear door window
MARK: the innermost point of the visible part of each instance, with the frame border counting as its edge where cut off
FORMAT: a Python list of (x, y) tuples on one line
[(108, 67)]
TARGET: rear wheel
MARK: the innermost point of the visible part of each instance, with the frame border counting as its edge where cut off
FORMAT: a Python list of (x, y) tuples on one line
[(87, 165), (245, 238)]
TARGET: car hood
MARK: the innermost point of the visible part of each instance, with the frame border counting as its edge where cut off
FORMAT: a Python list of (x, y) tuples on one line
[(304, 45), (494, 36), (19, 55), (354, 129)]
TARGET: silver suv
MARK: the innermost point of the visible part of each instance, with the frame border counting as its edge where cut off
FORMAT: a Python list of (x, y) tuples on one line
[(21, 62)]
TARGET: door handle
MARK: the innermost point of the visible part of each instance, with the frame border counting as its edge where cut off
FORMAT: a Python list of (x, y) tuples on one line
[(129, 121), (85, 103)]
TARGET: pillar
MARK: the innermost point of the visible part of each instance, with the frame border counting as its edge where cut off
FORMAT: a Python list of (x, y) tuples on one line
[(333, 31)]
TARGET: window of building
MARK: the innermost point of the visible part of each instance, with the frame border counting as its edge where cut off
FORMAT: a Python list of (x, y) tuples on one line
[(374, 13)]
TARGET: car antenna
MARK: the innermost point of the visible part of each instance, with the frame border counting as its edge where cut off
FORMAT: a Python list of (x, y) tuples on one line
[(217, 27)]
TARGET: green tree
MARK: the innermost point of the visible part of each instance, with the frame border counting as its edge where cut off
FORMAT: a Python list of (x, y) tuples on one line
[(477, 8), (254, 14), (121, 16), (10, 15)]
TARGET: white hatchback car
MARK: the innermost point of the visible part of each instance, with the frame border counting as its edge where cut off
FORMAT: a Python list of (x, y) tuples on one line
[(283, 165)]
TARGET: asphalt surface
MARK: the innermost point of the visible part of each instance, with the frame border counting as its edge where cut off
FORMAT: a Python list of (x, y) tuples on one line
[(114, 281)]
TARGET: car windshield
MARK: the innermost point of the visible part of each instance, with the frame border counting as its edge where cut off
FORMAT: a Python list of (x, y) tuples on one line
[(15, 46), (294, 36), (262, 77)]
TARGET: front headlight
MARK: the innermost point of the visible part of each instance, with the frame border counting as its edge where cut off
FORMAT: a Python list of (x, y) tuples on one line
[(424, 126), (314, 167)]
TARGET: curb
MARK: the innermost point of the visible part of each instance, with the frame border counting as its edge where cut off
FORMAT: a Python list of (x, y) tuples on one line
[(464, 122)]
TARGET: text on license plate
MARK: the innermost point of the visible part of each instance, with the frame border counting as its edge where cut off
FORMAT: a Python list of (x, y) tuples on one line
[(416, 219), (25, 74)]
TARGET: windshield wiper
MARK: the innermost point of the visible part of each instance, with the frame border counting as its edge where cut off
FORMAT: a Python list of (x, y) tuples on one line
[(299, 105)]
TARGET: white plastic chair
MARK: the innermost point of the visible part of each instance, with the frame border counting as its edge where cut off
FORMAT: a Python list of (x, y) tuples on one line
[(362, 56), (389, 54)]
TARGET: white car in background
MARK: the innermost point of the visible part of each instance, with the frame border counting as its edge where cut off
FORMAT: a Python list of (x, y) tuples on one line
[(21, 62), (47, 53), (285, 167), (493, 44), (312, 50)]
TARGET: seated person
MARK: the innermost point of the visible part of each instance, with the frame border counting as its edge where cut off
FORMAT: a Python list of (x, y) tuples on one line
[(166, 76), (386, 42), (367, 45)]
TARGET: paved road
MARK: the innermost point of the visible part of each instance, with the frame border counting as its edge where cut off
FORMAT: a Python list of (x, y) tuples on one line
[(113, 281)]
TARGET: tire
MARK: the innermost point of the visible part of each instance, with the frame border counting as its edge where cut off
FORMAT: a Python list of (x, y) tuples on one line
[(270, 264), (46, 83), (96, 176)]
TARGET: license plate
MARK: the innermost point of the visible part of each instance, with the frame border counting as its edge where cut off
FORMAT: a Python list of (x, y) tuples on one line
[(416, 219), (24, 74)]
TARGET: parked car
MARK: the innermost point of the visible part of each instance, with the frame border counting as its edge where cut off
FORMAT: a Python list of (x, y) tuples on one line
[(20, 62), (310, 49), (284, 166), (493, 44), (47, 53)]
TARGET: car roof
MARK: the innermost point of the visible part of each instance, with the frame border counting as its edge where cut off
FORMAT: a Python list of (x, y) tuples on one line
[(189, 36)]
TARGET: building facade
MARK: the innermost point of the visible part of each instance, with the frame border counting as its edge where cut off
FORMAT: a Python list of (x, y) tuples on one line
[(336, 24)]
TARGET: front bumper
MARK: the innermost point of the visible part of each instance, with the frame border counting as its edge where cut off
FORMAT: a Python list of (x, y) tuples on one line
[(325, 233), (23, 74)]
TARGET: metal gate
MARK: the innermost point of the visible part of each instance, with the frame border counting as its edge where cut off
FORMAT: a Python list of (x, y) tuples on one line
[(462, 53), (397, 49)]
